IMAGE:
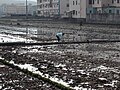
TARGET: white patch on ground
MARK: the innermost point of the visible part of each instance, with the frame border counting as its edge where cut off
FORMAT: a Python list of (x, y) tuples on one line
[(35, 70), (104, 68), (0, 87), (9, 38), (60, 65), (1, 58)]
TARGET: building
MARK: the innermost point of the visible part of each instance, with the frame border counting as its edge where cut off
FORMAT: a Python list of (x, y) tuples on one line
[(64, 8), (115, 3), (98, 6), (104, 11), (15, 9), (33, 10), (52, 8), (104, 6), (78, 8)]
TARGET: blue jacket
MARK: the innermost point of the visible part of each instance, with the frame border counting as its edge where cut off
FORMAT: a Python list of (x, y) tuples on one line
[(60, 34)]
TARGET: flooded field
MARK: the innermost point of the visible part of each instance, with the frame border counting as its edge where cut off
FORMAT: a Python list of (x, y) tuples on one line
[(82, 66)]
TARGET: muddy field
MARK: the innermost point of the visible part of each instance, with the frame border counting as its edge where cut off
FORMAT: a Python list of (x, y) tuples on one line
[(87, 66)]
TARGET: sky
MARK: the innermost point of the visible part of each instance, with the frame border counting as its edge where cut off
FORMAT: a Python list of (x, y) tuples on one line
[(33, 0)]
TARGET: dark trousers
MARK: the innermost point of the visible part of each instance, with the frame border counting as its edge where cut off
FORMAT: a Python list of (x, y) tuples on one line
[(58, 38)]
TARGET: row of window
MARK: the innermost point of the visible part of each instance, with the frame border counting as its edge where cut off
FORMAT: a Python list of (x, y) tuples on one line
[(114, 1), (75, 2), (48, 12), (74, 12), (48, 6), (98, 1), (46, 0), (109, 11)]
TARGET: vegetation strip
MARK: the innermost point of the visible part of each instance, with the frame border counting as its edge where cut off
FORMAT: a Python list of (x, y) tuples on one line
[(60, 86)]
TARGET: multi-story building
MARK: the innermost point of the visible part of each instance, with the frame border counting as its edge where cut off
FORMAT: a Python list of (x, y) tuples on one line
[(114, 7), (15, 9), (98, 6), (52, 8), (104, 6), (78, 8), (115, 3), (104, 11)]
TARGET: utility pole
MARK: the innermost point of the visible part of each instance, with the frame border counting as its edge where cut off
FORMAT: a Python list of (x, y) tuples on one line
[(26, 10), (80, 15), (26, 20)]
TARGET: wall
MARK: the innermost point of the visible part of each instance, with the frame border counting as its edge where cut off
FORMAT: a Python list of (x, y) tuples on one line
[(64, 8), (75, 8), (103, 18), (83, 8)]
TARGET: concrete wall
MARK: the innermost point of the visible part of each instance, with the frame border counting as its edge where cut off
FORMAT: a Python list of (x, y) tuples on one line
[(103, 18), (83, 8)]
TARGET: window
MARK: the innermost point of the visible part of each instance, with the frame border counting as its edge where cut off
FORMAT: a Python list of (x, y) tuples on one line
[(76, 2), (90, 1), (40, 1), (112, 1), (110, 11), (97, 1), (117, 12), (67, 5), (76, 12), (39, 12), (118, 1), (90, 11), (73, 2), (73, 12), (93, 1)]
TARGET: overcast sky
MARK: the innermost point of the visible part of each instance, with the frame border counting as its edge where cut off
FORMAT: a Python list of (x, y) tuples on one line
[(28, 0), (33, 0)]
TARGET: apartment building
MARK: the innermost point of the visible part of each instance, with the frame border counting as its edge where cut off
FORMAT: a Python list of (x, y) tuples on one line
[(100, 3), (52, 8), (115, 3), (18, 9), (114, 7), (98, 6), (104, 6), (78, 8), (15, 9), (104, 11)]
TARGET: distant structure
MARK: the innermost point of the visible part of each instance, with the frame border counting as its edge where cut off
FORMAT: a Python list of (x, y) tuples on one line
[(78, 8), (17, 9), (53, 8), (104, 11)]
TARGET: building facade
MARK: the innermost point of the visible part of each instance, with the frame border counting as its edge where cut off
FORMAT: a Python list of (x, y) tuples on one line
[(15, 9), (104, 7), (115, 3), (52, 8), (79, 7), (104, 11)]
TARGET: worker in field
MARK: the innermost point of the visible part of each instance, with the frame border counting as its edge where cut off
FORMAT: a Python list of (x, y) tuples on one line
[(59, 36)]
